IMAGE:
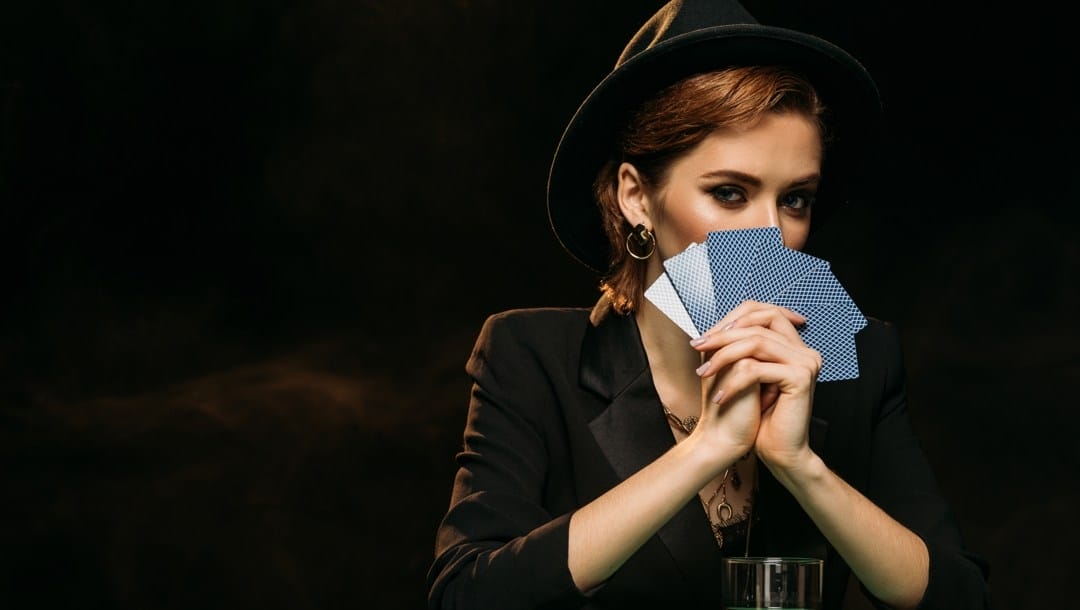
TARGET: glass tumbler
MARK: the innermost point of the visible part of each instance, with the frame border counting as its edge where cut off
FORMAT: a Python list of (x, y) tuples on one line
[(753, 583)]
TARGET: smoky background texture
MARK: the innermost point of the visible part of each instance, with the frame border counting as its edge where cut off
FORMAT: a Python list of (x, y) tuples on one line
[(247, 247)]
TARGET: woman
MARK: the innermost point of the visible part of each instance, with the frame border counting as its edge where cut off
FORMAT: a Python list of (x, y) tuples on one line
[(609, 461)]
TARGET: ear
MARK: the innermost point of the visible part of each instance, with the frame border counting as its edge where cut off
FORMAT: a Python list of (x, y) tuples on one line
[(633, 200)]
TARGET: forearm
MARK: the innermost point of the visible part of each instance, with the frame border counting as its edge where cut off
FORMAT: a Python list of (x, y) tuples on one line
[(889, 559), (608, 530)]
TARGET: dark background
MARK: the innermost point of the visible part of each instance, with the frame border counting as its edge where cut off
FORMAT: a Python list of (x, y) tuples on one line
[(247, 245)]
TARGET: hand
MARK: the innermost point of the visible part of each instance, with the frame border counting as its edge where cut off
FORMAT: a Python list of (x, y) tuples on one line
[(731, 423), (756, 348)]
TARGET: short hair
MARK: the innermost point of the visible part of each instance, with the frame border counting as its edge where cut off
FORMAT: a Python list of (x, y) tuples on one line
[(669, 125)]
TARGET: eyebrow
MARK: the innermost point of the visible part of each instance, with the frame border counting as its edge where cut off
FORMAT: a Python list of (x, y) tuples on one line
[(731, 174)]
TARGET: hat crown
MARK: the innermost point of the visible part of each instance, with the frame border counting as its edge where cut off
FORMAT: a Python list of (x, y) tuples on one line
[(680, 17)]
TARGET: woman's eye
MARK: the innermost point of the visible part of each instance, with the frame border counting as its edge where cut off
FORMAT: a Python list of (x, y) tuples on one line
[(727, 194), (797, 201)]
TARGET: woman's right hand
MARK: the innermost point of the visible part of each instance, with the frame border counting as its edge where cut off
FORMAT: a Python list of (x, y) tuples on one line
[(729, 423), (733, 421)]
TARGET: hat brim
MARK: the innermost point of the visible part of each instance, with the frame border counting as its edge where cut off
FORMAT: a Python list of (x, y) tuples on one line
[(849, 93)]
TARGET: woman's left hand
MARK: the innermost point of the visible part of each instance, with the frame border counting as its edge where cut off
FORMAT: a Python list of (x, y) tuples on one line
[(759, 343)]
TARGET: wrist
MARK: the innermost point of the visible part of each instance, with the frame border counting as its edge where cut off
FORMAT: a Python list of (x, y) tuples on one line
[(709, 456), (798, 474)]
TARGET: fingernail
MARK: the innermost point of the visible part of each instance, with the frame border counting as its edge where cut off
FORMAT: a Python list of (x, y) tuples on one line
[(696, 341), (701, 370), (728, 326), (718, 396)]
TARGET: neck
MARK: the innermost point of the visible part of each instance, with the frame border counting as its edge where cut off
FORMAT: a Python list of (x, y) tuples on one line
[(671, 359)]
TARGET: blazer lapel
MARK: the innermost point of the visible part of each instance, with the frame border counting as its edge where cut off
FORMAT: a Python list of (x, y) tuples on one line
[(632, 432)]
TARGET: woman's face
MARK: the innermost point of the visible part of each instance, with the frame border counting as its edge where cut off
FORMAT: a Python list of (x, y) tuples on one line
[(765, 175)]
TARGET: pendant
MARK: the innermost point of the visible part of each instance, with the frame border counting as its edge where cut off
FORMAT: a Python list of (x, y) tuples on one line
[(690, 422), (722, 508)]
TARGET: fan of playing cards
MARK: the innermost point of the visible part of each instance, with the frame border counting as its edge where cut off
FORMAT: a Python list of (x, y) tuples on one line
[(701, 284)]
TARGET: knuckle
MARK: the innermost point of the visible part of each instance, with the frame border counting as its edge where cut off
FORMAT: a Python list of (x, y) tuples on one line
[(742, 367), (812, 366)]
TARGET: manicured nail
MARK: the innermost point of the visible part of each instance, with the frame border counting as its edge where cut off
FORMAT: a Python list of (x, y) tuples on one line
[(696, 341), (728, 326), (704, 368), (718, 396)]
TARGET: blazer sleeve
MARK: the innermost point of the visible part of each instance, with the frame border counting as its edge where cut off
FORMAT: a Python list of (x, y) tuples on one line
[(903, 484), (497, 546)]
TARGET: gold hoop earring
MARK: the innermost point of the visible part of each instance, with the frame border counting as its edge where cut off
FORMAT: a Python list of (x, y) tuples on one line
[(639, 239)]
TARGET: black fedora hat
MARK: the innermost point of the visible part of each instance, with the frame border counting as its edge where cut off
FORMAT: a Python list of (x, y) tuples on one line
[(687, 37)]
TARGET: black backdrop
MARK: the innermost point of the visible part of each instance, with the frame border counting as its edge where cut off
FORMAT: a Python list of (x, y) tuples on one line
[(247, 246)]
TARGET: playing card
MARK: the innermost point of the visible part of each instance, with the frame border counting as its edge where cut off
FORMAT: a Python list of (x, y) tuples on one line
[(731, 256), (689, 275), (826, 331), (817, 287), (662, 294), (704, 282), (775, 268)]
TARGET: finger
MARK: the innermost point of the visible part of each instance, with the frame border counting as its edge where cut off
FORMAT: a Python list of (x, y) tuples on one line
[(772, 318), (748, 371), (775, 318), (739, 310), (735, 344), (770, 393), (747, 307), (754, 342)]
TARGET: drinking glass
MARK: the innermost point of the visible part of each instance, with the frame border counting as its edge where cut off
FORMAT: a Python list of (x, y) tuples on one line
[(751, 583)]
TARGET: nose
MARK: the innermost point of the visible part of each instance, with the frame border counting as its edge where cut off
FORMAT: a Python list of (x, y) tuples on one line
[(766, 213)]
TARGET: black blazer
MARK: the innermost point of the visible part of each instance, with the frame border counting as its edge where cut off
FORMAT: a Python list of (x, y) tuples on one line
[(563, 410)]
